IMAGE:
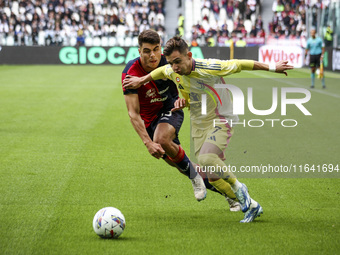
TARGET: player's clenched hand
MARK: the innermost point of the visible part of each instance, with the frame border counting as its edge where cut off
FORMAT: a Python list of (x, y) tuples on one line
[(155, 149), (179, 104), (282, 66), (131, 82)]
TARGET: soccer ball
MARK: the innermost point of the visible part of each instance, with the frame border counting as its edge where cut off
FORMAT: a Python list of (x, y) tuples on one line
[(109, 222)]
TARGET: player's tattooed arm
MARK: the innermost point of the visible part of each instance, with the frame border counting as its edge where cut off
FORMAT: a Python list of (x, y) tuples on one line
[(134, 82)]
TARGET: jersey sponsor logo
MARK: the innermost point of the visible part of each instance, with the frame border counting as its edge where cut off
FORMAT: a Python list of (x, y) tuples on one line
[(151, 93), (180, 86), (163, 91), (161, 99), (178, 79)]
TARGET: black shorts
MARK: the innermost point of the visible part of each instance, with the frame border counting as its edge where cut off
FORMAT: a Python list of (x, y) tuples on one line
[(314, 60), (175, 119)]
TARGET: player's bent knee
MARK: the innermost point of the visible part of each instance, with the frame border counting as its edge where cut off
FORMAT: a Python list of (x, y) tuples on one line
[(208, 159), (165, 142)]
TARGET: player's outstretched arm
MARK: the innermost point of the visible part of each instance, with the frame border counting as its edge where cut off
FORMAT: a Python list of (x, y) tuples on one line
[(132, 103), (134, 82), (280, 67)]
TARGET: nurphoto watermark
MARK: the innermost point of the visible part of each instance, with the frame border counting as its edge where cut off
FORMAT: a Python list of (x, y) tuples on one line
[(238, 106)]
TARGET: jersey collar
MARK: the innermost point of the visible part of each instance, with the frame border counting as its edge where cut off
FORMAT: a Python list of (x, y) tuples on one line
[(193, 65)]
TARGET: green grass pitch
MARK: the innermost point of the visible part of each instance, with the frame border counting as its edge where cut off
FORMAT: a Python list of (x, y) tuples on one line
[(68, 149)]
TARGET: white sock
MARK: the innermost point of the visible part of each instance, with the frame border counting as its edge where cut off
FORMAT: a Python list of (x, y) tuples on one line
[(236, 186), (253, 203)]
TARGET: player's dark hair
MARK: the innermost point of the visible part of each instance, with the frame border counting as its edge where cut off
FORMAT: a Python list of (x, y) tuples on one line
[(148, 36), (176, 43)]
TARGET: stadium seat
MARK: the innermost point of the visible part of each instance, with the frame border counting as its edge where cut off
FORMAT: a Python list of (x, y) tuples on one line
[(41, 38), (104, 11), (104, 41), (28, 29), (236, 13), (38, 11), (230, 25), (15, 7), (129, 20), (121, 41), (253, 18), (151, 16), (112, 41), (223, 15), (88, 41), (22, 10), (66, 41), (121, 31), (2, 40), (10, 40), (128, 42), (106, 29), (114, 10), (205, 25), (205, 12), (135, 41), (212, 21), (248, 25), (110, 11), (73, 41), (112, 29), (75, 16), (28, 40), (7, 10), (160, 19), (96, 41), (44, 9), (90, 28), (29, 16)]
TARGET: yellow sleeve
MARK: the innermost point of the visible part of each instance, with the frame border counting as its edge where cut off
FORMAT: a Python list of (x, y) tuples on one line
[(235, 66), (159, 73), (247, 64)]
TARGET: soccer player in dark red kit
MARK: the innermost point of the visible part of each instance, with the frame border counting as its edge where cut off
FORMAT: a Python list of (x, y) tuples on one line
[(149, 108)]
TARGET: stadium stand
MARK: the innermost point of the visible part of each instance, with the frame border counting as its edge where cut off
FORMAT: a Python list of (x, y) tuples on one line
[(289, 19), (201, 22), (293, 19), (78, 22), (225, 20)]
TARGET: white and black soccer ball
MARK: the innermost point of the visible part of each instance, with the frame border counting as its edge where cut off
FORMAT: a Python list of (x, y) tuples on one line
[(109, 222)]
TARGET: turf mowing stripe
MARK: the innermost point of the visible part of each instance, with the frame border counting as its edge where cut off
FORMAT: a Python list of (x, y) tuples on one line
[(329, 74), (294, 84)]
